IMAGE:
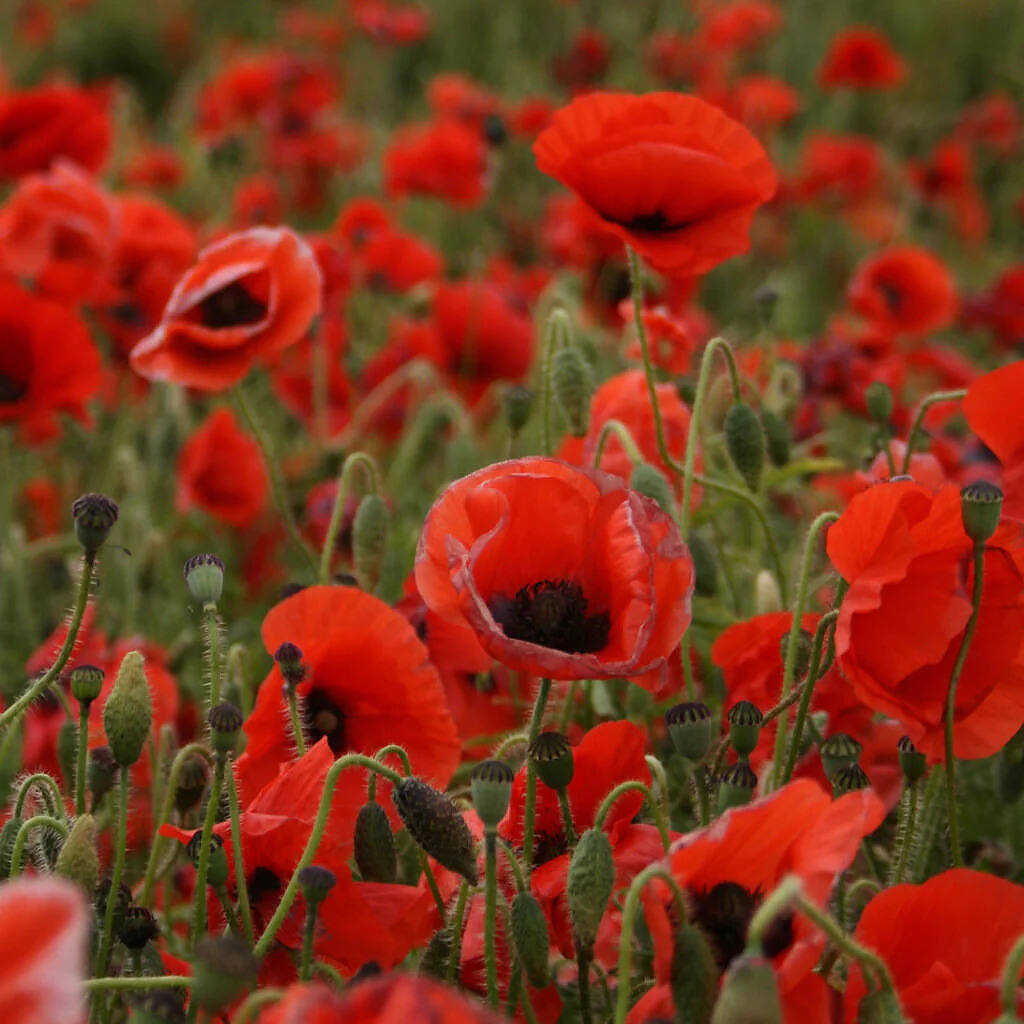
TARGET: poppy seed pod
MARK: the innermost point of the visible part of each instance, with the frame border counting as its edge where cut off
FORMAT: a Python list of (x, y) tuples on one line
[(86, 683), (491, 786), (694, 974), (736, 786), (913, 763), (551, 754), (94, 515), (589, 887), (128, 712), (749, 993), (222, 970), (745, 720), (374, 843), (776, 436), (225, 724), (138, 927), (839, 751), (981, 504), (573, 385), (217, 866), (370, 539), (204, 575), (529, 929), (690, 729), (744, 440), (849, 780), (78, 859), (878, 399), (289, 660), (436, 825), (650, 481), (316, 883)]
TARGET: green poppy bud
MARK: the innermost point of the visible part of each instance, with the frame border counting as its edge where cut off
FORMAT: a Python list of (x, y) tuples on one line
[(744, 440), (223, 969), (767, 596), (370, 540), (573, 385), (128, 712), (375, 852), (913, 763), (694, 975), (95, 515), (849, 780), (204, 575), (491, 787), (690, 727), (839, 751), (590, 884), (551, 754), (777, 437), (878, 399), (517, 402), (745, 721), (705, 569), (529, 929), (78, 859), (750, 993), (434, 961), (650, 481), (437, 826), (736, 786), (981, 504), (86, 683)]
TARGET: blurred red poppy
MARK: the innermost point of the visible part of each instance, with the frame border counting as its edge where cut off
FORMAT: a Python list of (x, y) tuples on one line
[(443, 159), (250, 296), (861, 58), (561, 572), (945, 943), (1000, 308), (739, 25), (670, 175)]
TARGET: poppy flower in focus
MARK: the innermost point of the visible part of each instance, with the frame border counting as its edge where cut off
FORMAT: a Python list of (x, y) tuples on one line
[(562, 572), (905, 555), (861, 58), (444, 159), (48, 363), (670, 175), (221, 471), (904, 289), (44, 922), (249, 297), (945, 943)]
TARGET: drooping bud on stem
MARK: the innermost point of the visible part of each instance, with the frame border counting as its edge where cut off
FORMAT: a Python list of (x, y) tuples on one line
[(370, 540), (589, 887), (436, 825), (744, 440)]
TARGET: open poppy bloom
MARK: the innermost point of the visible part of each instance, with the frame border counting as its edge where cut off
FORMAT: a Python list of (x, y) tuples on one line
[(251, 295), (562, 572), (945, 943), (861, 58), (671, 175), (907, 559)]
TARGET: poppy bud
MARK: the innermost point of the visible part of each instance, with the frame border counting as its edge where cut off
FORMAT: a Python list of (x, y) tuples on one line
[(217, 863), (491, 787), (705, 569), (777, 439), (191, 783), (849, 780), (95, 515), (981, 504), (138, 927), (690, 729), (745, 721), (913, 763), (883, 1007), (736, 786), (529, 929), (517, 402), (86, 683), (590, 884), (650, 481), (744, 440), (204, 575), (316, 883), (839, 751), (8, 836), (101, 773), (767, 596), (375, 845), (223, 969), (694, 975), (573, 385), (225, 723), (749, 994), (289, 660), (878, 399), (78, 859), (369, 539), (434, 961), (128, 712), (436, 825), (551, 754)]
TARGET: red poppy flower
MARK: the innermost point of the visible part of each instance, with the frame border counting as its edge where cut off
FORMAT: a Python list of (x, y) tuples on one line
[(1000, 308), (904, 553), (389, 24), (38, 126), (397, 261), (359, 220), (672, 338), (257, 201), (740, 25), (598, 586), (945, 943), (904, 289), (220, 470), (838, 168), (992, 121), (357, 649), (48, 363), (155, 167), (44, 922), (455, 96), (59, 229), (762, 102), (250, 296), (861, 58), (442, 159), (670, 175), (585, 62)]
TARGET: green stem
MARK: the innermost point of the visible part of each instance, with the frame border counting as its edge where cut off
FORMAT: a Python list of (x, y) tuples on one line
[(905, 832), (120, 846), (51, 795), (355, 461), (583, 958), (931, 812), (150, 981), (391, 748), (14, 712), (296, 720), (241, 886), (621, 431), (774, 904), (633, 785), (699, 779), (491, 914), (255, 1002), (22, 838), (82, 756), (958, 666), (1010, 988), (213, 641), (513, 862), (456, 950), (308, 934), (557, 330), (567, 822), (212, 803), (229, 911), (929, 401), (432, 883), (529, 813)]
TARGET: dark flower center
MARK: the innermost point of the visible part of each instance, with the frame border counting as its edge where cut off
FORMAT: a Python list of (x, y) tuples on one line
[(231, 306), (548, 847), (552, 613), (322, 717), (15, 368), (892, 295), (655, 223), (724, 912)]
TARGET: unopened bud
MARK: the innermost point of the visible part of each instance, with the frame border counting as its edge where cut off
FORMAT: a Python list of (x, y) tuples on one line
[(86, 683), (690, 728), (204, 575), (589, 887), (745, 720), (981, 504), (529, 929), (839, 751), (551, 754), (749, 994), (777, 437), (650, 481), (878, 399), (223, 969), (767, 596), (705, 569), (804, 649), (434, 961), (491, 788), (573, 384), (736, 786), (78, 859), (191, 782), (744, 440), (370, 539), (375, 852), (128, 712), (95, 515), (436, 825), (289, 660), (694, 974), (517, 402)]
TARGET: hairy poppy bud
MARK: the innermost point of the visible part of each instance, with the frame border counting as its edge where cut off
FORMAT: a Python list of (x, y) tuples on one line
[(191, 783), (744, 440), (225, 723), (95, 515), (436, 825), (434, 961), (878, 399), (128, 712), (491, 787), (289, 660), (913, 763), (316, 883), (573, 384), (777, 438), (204, 575), (138, 927), (849, 780), (551, 754), (375, 845), (517, 402), (749, 994), (529, 929), (981, 504), (369, 539), (78, 859), (839, 751), (705, 569), (785, 389), (8, 836), (694, 975), (101, 773), (690, 729), (222, 970), (86, 683), (650, 481), (217, 865), (736, 786), (590, 884), (745, 721)]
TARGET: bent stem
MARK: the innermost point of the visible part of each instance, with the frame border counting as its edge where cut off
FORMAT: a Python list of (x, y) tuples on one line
[(634, 785), (530, 811), (958, 666), (926, 404), (357, 460), (21, 839)]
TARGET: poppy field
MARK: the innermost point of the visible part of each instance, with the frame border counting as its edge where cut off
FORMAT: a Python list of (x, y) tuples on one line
[(511, 512)]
